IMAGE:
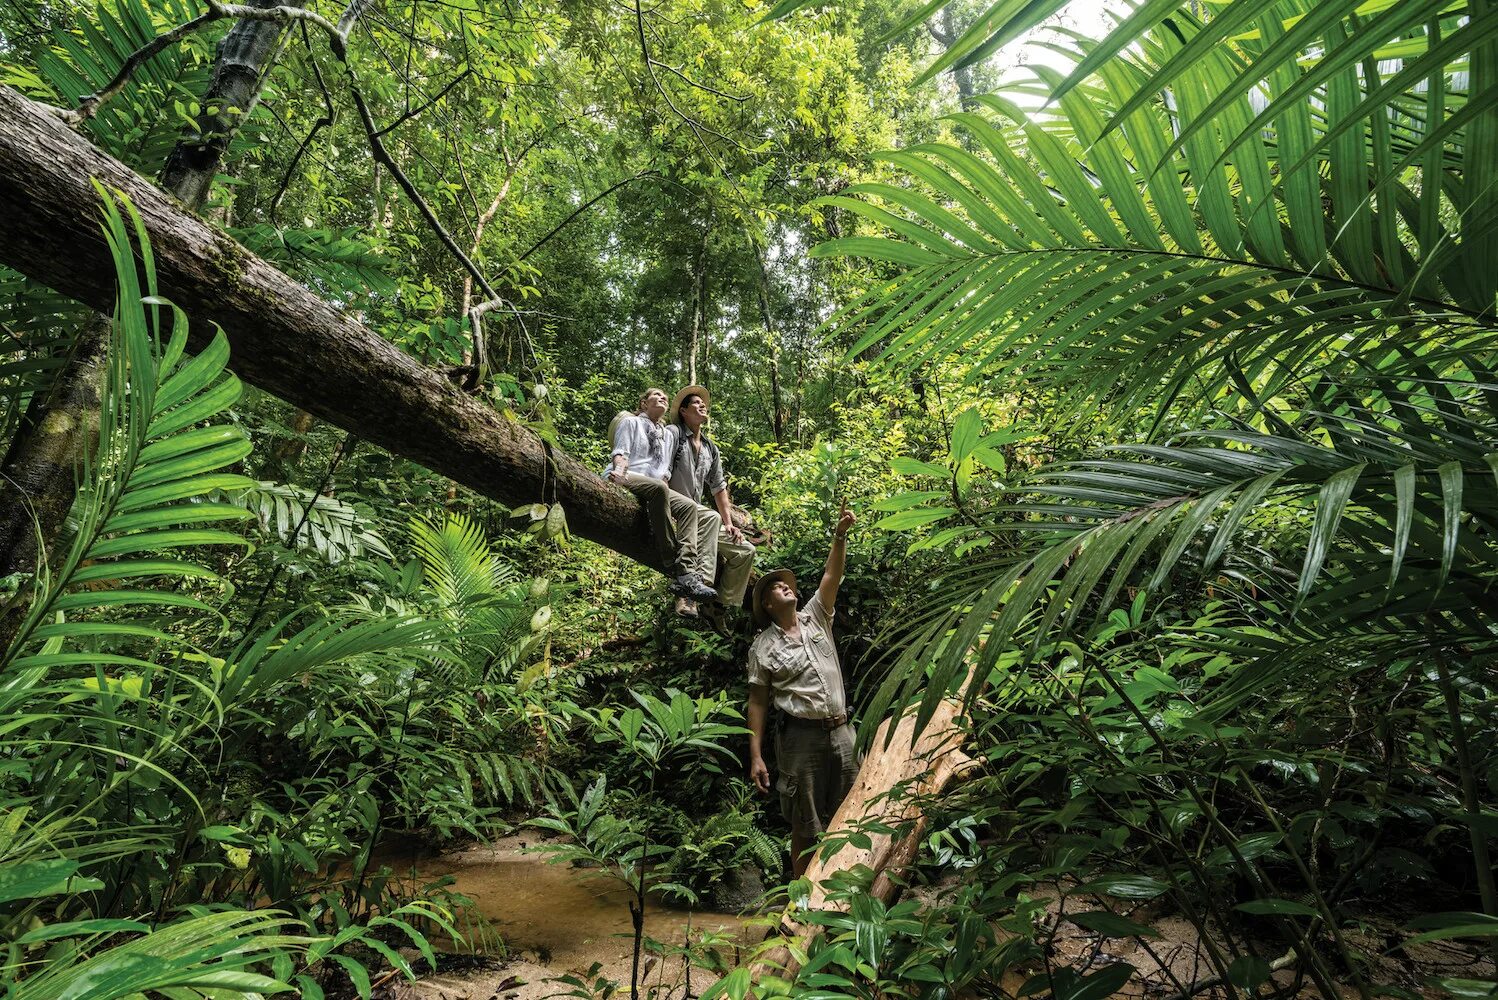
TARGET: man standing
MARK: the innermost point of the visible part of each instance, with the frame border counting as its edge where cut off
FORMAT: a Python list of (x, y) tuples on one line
[(641, 462), (697, 469), (794, 661)]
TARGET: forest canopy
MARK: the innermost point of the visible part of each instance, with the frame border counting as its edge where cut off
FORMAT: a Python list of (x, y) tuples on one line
[(1137, 358)]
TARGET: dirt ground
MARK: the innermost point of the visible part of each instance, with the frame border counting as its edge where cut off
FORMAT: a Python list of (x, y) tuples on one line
[(558, 921), (555, 921)]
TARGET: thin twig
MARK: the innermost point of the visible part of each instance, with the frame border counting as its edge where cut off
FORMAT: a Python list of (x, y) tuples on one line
[(581, 209), (699, 85), (91, 104), (412, 113)]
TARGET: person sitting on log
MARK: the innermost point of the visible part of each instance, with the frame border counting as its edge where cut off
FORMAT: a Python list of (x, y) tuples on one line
[(641, 463), (794, 661), (697, 469)]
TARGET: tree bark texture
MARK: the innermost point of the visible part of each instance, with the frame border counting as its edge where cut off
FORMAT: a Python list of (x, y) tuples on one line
[(242, 59), (921, 767), (283, 338), (37, 479)]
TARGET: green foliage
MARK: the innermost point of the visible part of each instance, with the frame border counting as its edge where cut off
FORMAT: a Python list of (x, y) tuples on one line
[(615, 836), (1239, 243), (1165, 377), (238, 765), (160, 100), (716, 847), (299, 519)]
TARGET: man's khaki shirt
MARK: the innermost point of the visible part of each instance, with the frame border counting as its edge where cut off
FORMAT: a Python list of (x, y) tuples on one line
[(802, 674)]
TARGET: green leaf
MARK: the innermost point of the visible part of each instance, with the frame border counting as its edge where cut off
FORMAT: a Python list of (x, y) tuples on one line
[(80, 928), (36, 879), (967, 429), (914, 467), (1110, 924), (910, 498), (1126, 886), (907, 519), (1248, 971)]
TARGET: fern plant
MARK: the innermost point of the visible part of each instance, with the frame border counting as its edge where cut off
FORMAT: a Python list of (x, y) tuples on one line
[(301, 519)]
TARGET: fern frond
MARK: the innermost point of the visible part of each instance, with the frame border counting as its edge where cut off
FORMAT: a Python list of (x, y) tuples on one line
[(158, 452), (333, 529)]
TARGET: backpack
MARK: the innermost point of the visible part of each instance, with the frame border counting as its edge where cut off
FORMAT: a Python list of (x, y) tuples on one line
[(614, 425)]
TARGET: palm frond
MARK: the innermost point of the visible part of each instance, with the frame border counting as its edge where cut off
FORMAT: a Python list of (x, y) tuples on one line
[(1249, 231), (478, 594), (338, 262), (158, 452), (143, 123), (200, 956), (1160, 226)]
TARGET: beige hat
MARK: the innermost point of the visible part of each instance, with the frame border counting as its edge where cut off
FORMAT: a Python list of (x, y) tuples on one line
[(761, 616), (681, 397)]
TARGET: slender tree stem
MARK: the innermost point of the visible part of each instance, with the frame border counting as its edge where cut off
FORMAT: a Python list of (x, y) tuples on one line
[(1487, 887)]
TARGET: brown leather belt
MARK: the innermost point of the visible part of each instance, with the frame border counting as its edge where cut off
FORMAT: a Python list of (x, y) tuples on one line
[(831, 722)]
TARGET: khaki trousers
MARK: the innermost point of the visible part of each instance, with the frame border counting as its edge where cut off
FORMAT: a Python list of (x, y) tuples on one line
[(738, 563), (690, 538), (686, 540), (702, 536)]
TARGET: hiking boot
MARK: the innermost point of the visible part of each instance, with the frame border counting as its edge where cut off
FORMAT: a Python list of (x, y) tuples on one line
[(688, 585), (686, 607)]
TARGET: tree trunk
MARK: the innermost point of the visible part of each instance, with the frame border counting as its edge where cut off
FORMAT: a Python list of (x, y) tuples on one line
[(699, 307), (777, 412), (242, 60), (923, 767), (37, 481), (283, 338), (947, 35)]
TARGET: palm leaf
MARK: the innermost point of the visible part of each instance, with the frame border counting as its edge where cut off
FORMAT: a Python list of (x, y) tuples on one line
[(158, 452), (142, 124)]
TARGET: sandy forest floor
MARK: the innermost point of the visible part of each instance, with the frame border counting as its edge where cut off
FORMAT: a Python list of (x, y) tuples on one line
[(557, 921)]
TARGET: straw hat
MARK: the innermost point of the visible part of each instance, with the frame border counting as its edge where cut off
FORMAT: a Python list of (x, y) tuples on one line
[(681, 396), (761, 616)]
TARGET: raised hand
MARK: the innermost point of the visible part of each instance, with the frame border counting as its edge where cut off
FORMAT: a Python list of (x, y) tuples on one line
[(845, 521)]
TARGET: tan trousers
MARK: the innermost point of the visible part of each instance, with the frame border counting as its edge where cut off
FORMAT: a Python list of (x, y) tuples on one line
[(738, 563), (709, 542), (686, 540)]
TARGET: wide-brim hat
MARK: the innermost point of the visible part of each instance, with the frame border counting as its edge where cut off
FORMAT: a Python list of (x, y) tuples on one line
[(681, 397), (761, 616)]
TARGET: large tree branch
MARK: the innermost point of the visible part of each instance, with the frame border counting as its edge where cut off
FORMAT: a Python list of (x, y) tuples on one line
[(283, 338)]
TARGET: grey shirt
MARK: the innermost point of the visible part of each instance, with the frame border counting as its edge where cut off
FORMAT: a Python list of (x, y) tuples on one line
[(694, 472), (802, 674)]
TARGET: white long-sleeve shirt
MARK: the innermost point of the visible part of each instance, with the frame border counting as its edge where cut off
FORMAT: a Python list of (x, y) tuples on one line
[(642, 442)]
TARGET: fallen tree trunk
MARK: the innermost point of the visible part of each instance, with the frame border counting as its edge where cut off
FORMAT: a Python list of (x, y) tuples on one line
[(40, 469), (920, 767), (283, 338)]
